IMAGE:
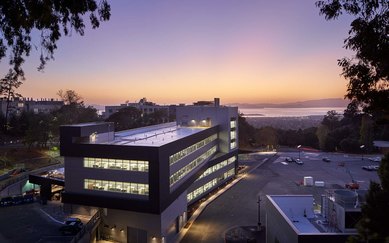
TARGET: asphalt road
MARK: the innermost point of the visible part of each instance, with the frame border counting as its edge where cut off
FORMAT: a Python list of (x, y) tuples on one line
[(238, 206), (26, 223)]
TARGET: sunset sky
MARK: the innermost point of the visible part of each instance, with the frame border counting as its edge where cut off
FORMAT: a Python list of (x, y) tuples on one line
[(181, 51)]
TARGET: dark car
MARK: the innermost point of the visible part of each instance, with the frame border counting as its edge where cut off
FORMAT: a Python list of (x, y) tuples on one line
[(71, 227), (288, 159), (326, 159)]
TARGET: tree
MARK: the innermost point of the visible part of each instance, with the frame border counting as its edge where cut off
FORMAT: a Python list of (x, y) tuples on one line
[(126, 118), (52, 18), (74, 111), (267, 136), (331, 120), (368, 71), (38, 131), (321, 133), (8, 86), (373, 225), (70, 97), (366, 132)]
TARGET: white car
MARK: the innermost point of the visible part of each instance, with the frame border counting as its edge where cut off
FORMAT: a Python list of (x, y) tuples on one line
[(299, 162), (376, 159)]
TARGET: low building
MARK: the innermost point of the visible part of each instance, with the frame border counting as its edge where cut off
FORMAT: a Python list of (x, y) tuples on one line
[(383, 146), (292, 218), (19, 105), (144, 106), (145, 178)]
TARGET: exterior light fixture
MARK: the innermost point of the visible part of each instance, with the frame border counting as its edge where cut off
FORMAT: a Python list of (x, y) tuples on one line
[(92, 137), (113, 227), (122, 230)]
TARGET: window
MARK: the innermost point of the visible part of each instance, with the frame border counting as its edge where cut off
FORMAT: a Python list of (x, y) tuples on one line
[(191, 166), (117, 186), (218, 166), (117, 164), (209, 185), (181, 154)]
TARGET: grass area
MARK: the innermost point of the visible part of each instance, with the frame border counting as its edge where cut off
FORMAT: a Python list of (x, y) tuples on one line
[(26, 158)]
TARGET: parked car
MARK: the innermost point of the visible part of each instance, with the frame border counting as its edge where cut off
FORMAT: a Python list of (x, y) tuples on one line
[(352, 186), (68, 221), (71, 226), (376, 159), (71, 229), (288, 159), (326, 159), (370, 167), (299, 162)]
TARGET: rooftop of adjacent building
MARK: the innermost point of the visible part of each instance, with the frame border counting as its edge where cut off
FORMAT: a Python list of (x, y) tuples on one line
[(299, 210)]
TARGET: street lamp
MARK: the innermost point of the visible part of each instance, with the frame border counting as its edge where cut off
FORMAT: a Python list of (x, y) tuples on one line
[(362, 146), (299, 150)]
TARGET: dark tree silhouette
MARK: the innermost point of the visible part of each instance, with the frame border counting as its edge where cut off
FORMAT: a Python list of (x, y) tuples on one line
[(126, 118), (373, 225), (52, 18), (368, 71), (8, 86)]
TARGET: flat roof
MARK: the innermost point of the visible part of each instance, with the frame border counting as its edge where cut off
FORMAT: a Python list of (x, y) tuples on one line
[(293, 208), (154, 135)]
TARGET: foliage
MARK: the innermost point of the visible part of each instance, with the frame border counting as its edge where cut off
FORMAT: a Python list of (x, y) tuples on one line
[(373, 225), (38, 131), (51, 18), (126, 118), (267, 136), (322, 133), (368, 71), (70, 97), (366, 132), (246, 133), (8, 86)]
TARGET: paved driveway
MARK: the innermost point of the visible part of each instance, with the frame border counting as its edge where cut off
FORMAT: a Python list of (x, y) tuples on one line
[(26, 223)]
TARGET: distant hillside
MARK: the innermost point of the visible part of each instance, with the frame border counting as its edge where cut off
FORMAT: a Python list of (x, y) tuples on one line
[(332, 102)]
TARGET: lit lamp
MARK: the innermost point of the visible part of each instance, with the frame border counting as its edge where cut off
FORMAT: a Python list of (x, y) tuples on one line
[(299, 150)]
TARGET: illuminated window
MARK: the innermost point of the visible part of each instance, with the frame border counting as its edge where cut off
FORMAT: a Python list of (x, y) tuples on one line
[(232, 124), (209, 185), (191, 166), (117, 164), (233, 145), (218, 167), (117, 186), (181, 154)]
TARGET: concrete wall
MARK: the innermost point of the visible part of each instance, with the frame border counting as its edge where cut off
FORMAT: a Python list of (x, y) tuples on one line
[(277, 228), (217, 115)]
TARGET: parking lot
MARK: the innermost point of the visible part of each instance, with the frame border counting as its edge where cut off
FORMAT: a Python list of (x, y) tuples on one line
[(239, 205)]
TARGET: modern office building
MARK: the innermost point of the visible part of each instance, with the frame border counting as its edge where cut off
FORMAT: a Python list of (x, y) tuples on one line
[(292, 218), (145, 178)]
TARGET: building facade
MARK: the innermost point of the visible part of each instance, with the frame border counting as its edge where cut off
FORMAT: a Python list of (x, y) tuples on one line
[(145, 178), (18, 105), (144, 106)]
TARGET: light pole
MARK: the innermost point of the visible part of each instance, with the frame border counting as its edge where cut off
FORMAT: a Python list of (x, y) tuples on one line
[(362, 146), (299, 150)]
